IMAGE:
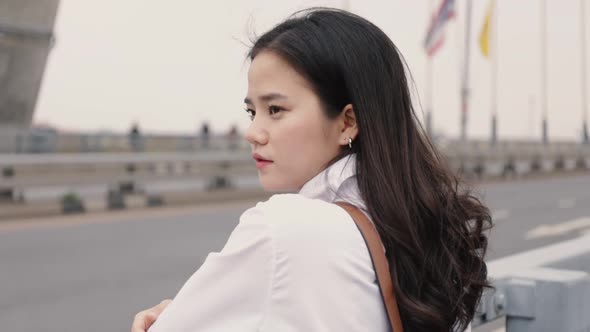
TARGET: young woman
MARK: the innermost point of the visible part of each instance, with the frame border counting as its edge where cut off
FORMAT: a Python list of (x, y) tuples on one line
[(332, 120)]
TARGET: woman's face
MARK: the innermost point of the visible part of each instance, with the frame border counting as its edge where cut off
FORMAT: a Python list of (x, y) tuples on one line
[(289, 127)]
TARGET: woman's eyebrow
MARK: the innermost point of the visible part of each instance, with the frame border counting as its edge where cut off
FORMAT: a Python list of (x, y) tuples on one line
[(266, 97)]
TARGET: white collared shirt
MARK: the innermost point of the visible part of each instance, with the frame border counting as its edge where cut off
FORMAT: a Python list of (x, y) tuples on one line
[(294, 263)]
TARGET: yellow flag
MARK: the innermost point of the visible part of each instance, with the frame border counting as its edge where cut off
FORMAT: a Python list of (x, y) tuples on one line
[(484, 36)]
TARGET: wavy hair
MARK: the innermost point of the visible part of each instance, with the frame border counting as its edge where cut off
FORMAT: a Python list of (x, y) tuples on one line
[(432, 227)]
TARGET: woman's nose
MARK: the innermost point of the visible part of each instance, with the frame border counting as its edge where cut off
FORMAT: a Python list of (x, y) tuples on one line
[(256, 134)]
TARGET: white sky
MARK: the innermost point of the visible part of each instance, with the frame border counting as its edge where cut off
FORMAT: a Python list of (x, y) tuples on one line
[(169, 65)]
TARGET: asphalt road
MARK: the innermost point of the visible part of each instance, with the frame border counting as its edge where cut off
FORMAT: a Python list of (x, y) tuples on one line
[(94, 272)]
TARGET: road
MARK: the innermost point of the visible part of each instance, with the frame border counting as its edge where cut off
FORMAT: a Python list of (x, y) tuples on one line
[(94, 272)]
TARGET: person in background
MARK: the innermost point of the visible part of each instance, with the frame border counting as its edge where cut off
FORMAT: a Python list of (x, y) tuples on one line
[(135, 138), (332, 121), (205, 135)]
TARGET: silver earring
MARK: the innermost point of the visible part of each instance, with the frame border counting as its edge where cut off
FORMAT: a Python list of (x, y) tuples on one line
[(350, 143)]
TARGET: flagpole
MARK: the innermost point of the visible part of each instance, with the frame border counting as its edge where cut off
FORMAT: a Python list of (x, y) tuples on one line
[(429, 89), (544, 70), (494, 55), (585, 138), (465, 87), (531, 115)]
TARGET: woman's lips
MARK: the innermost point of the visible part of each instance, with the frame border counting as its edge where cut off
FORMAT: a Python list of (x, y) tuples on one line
[(261, 163)]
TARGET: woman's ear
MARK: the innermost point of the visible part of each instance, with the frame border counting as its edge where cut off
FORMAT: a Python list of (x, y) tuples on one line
[(349, 126)]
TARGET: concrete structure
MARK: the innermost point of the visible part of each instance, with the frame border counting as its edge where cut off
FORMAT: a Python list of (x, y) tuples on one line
[(26, 38)]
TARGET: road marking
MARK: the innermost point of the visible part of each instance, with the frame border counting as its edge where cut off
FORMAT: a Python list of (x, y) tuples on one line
[(566, 203), (558, 229), (535, 258), (500, 215), (503, 329)]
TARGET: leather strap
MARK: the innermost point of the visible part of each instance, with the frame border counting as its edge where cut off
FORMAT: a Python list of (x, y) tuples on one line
[(380, 263)]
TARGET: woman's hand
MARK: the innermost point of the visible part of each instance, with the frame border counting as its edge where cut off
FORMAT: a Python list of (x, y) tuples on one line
[(144, 319)]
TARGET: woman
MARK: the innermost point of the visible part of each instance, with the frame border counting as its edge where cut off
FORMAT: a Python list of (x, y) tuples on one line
[(332, 120)]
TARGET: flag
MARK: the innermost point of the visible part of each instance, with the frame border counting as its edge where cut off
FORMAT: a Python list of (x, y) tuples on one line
[(435, 35), (484, 36)]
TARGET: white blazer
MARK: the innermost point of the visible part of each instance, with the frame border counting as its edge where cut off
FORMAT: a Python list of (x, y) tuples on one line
[(294, 263)]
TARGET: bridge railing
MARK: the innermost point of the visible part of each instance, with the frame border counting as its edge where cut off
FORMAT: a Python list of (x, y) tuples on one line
[(542, 290), (481, 159), (47, 140), (73, 160), (20, 172)]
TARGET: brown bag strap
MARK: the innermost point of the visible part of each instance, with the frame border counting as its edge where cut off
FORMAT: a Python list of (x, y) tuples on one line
[(380, 263)]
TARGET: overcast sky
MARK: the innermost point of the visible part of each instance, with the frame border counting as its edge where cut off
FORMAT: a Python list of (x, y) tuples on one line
[(169, 65)]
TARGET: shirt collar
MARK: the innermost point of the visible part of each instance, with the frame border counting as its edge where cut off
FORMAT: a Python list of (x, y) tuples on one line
[(336, 181)]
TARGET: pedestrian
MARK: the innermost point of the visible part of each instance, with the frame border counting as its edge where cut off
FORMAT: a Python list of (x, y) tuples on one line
[(205, 135), (332, 121), (135, 138)]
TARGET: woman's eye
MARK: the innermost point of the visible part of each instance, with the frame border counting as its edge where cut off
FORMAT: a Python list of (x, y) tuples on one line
[(251, 113), (274, 109)]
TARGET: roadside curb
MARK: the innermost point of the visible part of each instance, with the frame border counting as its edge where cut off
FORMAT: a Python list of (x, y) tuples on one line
[(131, 202)]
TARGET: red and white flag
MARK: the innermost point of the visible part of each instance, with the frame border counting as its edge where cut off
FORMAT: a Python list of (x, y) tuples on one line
[(435, 35)]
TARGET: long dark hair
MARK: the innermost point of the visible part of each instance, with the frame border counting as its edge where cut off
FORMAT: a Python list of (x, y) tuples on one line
[(432, 228)]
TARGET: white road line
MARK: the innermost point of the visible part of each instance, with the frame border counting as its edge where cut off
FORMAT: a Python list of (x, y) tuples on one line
[(499, 215), (544, 256), (558, 229), (503, 329), (566, 203)]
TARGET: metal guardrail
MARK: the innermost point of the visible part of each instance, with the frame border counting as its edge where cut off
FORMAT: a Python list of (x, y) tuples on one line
[(542, 290), (218, 159), (478, 158), (119, 171), (42, 157)]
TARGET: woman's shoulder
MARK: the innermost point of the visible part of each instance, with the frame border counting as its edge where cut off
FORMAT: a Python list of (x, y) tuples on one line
[(294, 218), (287, 208)]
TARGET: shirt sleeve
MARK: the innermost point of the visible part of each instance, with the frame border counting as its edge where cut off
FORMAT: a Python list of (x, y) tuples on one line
[(230, 291)]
